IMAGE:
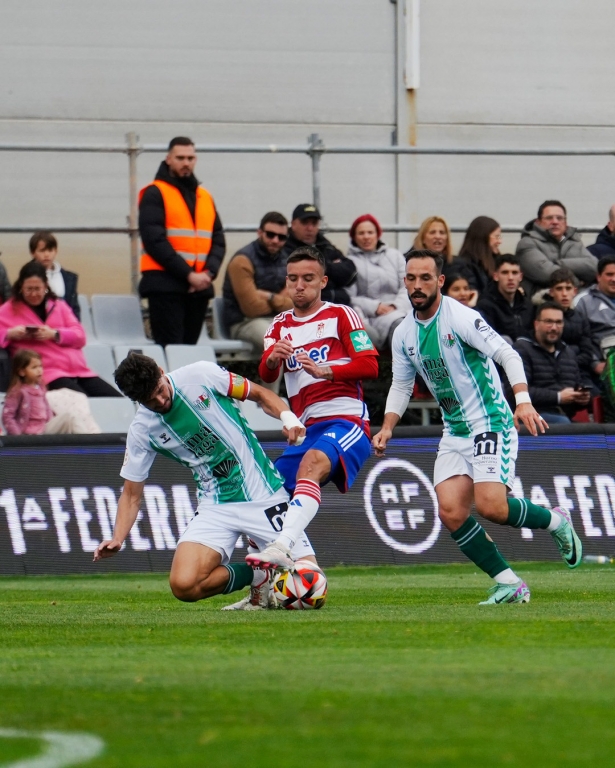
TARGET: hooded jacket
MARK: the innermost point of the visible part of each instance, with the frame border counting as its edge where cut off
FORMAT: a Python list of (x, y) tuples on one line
[(152, 228), (599, 310), (541, 254), (339, 269), (604, 245), (512, 321)]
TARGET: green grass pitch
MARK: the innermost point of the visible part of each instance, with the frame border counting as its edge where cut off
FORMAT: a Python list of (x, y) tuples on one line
[(400, 668)]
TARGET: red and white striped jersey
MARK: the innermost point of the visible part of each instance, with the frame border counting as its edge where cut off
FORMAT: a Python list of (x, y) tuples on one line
[(334, 335)]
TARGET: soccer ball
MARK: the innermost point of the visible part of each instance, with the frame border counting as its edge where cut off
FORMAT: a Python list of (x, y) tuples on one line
[(303, 589)]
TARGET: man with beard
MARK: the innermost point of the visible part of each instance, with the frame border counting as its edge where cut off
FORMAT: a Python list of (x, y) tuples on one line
[(454, 350), (183, 247)]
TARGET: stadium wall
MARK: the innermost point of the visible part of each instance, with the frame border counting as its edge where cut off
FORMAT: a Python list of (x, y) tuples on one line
[(492, 74), (58, 499)]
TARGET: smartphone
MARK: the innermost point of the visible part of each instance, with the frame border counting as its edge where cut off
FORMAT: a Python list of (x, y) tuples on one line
[(31, 328)]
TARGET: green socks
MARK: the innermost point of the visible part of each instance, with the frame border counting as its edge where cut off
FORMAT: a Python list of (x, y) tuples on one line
[(240, 575), (479, 548), (523, 514)]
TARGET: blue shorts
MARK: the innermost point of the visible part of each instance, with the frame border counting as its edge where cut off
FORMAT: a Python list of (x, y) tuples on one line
[(344, 442)]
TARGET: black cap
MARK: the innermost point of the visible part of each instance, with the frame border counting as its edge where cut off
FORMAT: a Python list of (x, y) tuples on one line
[(306, 211)]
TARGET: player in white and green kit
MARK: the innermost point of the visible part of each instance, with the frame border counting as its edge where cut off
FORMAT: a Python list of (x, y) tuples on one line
[(454, 350), (190, 416)]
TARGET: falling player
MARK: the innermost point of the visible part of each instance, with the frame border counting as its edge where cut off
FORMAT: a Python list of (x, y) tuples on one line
[(189, 415), (325, 352), (453, 349)]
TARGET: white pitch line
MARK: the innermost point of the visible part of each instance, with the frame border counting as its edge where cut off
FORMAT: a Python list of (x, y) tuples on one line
[(60, 750)]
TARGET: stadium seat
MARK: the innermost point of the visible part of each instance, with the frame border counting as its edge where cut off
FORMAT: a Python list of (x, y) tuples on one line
[(179, 355), (86, 318), (222, 340), (112, 414), (155, 351), (117, 320), (99, 357), (258, 420)]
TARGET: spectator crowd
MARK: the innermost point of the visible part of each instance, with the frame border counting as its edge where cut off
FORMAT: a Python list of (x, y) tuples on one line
[(553, 299)]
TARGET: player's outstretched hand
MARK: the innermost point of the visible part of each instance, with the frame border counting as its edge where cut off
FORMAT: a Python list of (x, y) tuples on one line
[(295, 435), (107, 549), (527, 415), (380, 441)]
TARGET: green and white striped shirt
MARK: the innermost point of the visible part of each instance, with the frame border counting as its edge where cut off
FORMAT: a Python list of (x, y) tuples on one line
[(205, 431), (452, 351)]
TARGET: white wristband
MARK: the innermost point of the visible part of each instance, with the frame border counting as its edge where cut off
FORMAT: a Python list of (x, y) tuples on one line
[(289, 420), (523, 397)]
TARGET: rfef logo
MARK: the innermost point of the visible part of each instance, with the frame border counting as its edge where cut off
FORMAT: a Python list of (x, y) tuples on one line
[(401, 505)]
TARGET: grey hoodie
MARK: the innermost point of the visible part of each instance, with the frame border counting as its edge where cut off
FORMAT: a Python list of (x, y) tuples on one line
[(599, 309), (540, 255)]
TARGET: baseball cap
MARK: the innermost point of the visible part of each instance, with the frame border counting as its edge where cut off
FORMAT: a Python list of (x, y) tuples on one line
[(306, 211)]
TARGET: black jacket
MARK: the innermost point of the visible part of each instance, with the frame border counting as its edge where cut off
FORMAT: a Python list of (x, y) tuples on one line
[(70, 291), (604, 245), (577, 336), (548, 373), (473, 272), (509, 321), (153, 231), (340, 270)]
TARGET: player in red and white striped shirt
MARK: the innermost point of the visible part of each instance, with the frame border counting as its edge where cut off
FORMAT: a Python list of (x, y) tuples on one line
[(324, 352)]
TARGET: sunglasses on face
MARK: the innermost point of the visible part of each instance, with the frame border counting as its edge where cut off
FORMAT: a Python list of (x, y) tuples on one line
[(272, 235)]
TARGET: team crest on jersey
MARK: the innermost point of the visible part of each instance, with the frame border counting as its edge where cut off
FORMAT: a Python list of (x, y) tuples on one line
[(320, 330), (449, 339), (361, 341), (203, 402)]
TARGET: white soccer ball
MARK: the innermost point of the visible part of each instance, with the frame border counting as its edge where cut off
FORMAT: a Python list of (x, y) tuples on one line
[(303, 589)]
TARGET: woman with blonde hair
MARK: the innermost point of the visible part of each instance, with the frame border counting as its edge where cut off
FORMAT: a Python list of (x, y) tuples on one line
[(434, 235)]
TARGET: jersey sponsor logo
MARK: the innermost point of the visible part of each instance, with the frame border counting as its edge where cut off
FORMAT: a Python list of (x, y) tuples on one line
[(202, 403), (449, 404), (435, 370), (361, 341), (401, 506), (330, 434), (482, 327), (276, 515), (202, 443), (164, 438), (317, 354), (449, 339), (486, 444)]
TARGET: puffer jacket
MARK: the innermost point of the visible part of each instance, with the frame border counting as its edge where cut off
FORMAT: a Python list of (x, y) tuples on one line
[(548, 373), (604, 245), (541, 254), (599, 310), (380, 280)]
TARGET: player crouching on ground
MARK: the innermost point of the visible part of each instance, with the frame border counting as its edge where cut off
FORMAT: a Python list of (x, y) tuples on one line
[(325, 352), (453, 349), (189, 415)]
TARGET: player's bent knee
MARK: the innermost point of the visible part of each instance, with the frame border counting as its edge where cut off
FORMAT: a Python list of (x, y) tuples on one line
[(184, 589)]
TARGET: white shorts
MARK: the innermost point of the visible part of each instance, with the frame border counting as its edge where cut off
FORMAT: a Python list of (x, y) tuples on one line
[(218, 526), (487, 457)]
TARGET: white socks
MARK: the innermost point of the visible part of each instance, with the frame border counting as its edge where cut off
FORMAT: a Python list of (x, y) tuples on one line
[(300, 512), (507, 577)]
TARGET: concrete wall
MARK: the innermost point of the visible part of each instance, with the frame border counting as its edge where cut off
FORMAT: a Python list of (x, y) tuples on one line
[(493, 73)]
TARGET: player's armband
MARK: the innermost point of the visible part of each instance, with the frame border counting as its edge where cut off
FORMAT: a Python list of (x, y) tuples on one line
[(239, 388)]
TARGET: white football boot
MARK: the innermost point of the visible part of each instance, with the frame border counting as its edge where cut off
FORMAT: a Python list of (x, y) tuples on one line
[(275, 555), (259, 598)]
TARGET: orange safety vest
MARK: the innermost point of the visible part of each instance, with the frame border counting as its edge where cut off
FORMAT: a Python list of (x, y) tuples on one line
[(190, 239)]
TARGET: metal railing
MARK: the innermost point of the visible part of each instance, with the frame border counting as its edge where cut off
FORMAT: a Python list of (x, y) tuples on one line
[(314, 149)]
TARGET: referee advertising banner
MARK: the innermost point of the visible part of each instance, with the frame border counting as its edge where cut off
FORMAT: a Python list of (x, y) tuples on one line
[(58, 501)]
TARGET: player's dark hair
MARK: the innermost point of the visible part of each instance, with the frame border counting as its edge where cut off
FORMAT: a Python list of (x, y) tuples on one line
[(137, 376), (273, 217), (44, 236), (547, 305), (604, 262), (31, 269), (425, 253), (506, 258), (563, 275), (547, 204), (307, 253), (181, 141)]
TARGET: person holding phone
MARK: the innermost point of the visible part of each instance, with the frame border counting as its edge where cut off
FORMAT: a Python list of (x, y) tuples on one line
[(36, 319), (553, 375)]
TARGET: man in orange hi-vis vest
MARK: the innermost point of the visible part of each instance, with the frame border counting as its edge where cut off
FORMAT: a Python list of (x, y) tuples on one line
[(182, 247)]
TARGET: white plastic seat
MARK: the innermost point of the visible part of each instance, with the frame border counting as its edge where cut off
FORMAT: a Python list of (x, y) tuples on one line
[(222, 340), (99, 357), (117, 320), (155, 351), (258, 420), (179, 355), (86, 317), (112, 414)]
